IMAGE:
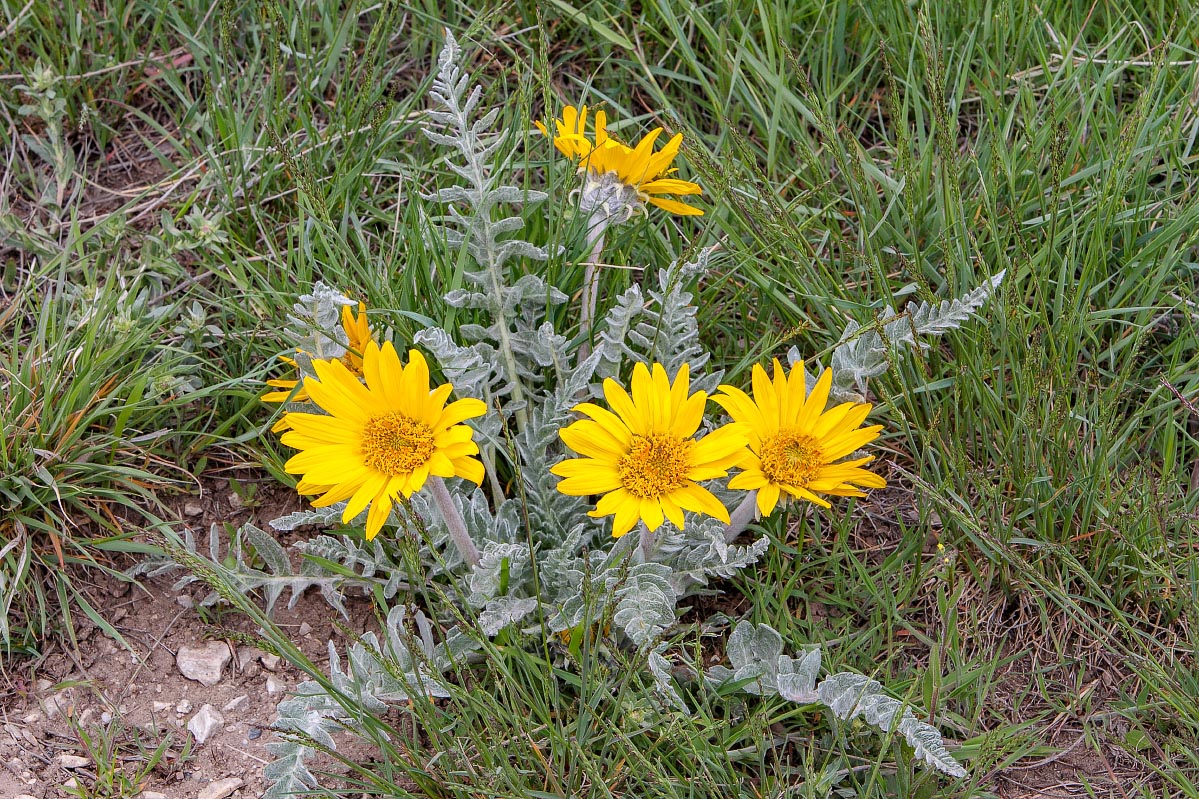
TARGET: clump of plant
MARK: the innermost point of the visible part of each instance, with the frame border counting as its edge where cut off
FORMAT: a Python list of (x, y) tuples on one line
[(562, 492), (87, 373)]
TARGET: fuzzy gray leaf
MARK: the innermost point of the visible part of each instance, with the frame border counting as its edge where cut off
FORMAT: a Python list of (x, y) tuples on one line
[(850, 695), (659, 668), (865, 352), (502, 611), (645, 603), (498, 563), (797, 677), (301, 518)]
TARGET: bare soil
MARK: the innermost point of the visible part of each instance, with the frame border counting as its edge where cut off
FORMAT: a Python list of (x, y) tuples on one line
[(136, 698)]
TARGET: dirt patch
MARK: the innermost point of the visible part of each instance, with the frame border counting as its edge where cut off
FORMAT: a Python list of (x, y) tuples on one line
[(97, 713)]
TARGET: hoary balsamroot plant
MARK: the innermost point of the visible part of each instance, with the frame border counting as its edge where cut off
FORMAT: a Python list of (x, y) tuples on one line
[(509, 513)]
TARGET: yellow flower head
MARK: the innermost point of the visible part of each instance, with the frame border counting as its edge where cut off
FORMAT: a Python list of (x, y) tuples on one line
[(381, 439), (358, 335), (609, 166), (644, 458), (795, 444)]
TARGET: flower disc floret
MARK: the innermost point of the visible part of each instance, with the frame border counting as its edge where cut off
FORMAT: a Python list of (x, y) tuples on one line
[(396, 444), (643, 456), (791, 457), (655, 465), (381, 439), (795, 445)]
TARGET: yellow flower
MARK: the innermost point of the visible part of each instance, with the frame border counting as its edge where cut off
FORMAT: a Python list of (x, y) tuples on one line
[(381, 439), (358, 335), (644, 458), (639, 168), (795, 444)]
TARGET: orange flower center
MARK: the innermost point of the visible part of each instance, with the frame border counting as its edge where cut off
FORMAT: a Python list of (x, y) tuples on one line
[(396, 444), (790, 457), (655, 465)]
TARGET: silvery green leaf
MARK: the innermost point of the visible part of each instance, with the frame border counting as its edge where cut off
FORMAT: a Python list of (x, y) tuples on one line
[(239, 573), (700, 552), (864, 352), (850, 695), (699, 265), (504, 610), (495, 560), (316, 322), (754, 651), (663, 330), (370, 559), (645, 603), (797, 677), (474, 371), (659, 668), (301, 518), (618, 321)]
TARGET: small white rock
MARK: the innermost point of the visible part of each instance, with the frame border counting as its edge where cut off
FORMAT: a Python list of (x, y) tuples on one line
[(58, 703), (70, 785), (33, 718), (27, 796), (185, 601), (269, 662), (72, 761), (152, 795), (205, 723), (305, 628), (161, 707), (184, 706), (219, 789), (274, 686), (203, 663), (192, 508), (106, 717), (247, 655), (236, 703)]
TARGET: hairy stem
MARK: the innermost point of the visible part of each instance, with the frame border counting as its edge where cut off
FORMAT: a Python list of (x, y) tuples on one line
[(741, 517), (596, 227), (645, 544), (453, 521)]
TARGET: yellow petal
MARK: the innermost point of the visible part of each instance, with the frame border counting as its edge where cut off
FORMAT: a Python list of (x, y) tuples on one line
[(593, 440), (671, 186), (469, 469), (661, 161), (651, 513), (377, 517), (768, 498), (748, 480), (366, 492), (675, 206), (700, 500), (816, 401), (459, 411), (611, 423), (622, 404)]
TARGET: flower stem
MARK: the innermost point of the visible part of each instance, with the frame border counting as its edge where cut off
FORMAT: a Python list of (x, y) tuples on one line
[(645, 543), (741, 517), (453, 521), (596, 226)]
